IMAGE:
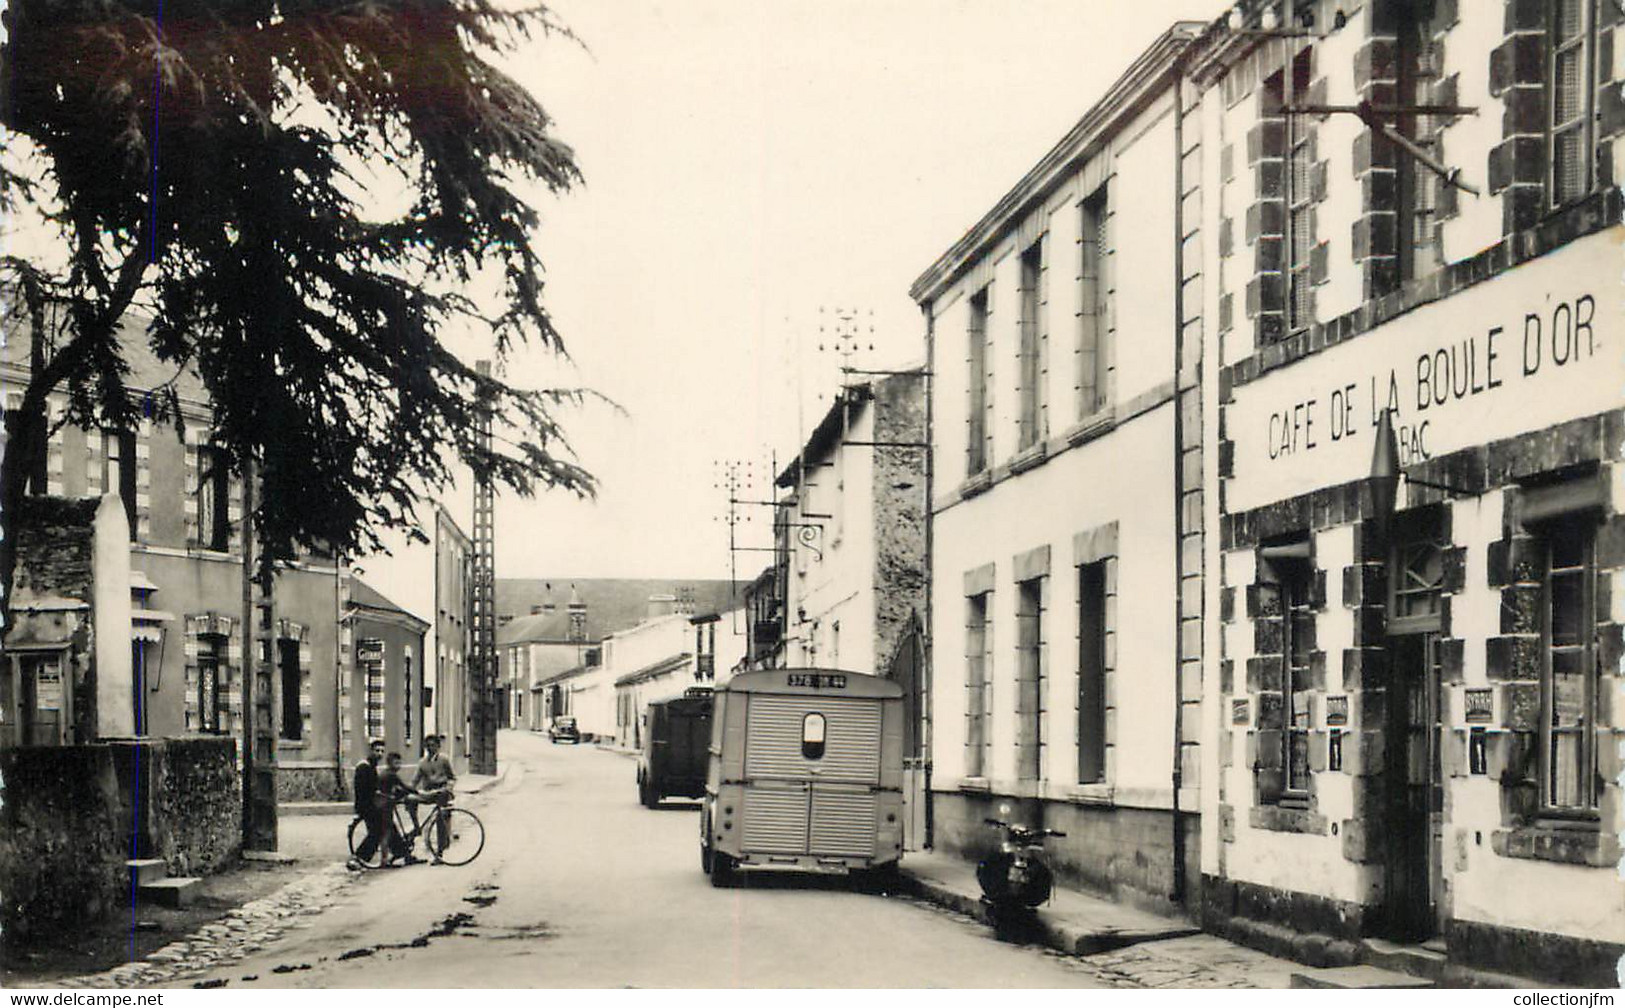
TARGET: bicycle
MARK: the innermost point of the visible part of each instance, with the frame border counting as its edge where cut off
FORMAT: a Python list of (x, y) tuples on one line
[(455, 836)]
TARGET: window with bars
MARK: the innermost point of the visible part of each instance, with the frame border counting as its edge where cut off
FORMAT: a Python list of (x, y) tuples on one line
[(1030, 679), (1298, 623), (977, 428), (1093, 356), (1572, 37), (1569, 674), (978, 687), (1092, 672), (212, 689), (1030, 364), (371, 654), (406, 692)]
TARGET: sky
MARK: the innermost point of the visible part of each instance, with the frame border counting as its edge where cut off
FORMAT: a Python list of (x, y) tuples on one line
[(751, 167)]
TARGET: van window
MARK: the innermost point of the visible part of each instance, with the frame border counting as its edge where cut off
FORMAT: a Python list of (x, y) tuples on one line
[(812, 736)]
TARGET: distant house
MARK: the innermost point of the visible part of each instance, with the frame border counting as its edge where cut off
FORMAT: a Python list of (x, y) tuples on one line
[(550, 632), (384, 699)]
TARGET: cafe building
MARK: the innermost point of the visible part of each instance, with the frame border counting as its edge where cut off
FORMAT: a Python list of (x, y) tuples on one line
[(1413, 391)]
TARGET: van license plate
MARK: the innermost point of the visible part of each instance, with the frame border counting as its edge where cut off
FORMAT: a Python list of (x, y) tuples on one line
[(816, 680)]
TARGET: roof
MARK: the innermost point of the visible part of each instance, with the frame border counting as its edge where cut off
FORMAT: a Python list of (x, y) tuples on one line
[(1136, 85), (146, 370), (364, 596), (828, 432), (569, 673), (611, 604), (655, 670)]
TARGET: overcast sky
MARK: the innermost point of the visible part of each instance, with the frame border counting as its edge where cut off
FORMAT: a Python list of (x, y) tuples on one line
[(747, 164)]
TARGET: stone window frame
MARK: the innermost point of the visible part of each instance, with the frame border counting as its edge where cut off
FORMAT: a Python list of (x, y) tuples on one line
[(213, 719), (1098, 546), (212, 482), (1032, 296), (1095, 343), (979, 381), (979, 598), (1030, 574), (1273, 677), (1519, 659)]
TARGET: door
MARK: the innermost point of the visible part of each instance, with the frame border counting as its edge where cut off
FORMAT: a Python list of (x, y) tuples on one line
[(1415, 789), (42, 706), (907, 667)]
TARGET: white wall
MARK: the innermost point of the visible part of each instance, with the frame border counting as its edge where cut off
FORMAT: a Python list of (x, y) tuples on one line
[(837, 587)]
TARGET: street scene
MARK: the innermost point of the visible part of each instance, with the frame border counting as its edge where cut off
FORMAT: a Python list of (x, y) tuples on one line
[(823, 494)]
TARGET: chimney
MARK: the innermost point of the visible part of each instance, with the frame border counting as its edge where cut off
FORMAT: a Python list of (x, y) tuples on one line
[(661, 605)]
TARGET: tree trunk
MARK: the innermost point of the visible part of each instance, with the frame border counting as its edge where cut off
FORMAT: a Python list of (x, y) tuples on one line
[(25, 449)]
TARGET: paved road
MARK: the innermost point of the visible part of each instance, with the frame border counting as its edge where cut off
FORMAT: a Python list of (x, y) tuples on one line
[(579, 886)]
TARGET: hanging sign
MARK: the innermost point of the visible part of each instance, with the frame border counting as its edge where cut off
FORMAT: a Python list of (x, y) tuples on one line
[(1479, 705), (1533, 347)]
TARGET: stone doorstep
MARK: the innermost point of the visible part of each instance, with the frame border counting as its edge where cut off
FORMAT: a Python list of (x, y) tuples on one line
[(144, 871), (170, 892), (1357, 978)]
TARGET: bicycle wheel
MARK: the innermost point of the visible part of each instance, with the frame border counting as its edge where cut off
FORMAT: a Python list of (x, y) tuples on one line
[(457, 838), (358, 833)]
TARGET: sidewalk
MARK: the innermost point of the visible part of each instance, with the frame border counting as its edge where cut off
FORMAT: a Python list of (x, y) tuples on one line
[(1127, 946), (468, 784)]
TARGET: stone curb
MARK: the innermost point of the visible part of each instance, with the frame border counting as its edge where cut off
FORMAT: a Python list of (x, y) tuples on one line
[(1058, 934)]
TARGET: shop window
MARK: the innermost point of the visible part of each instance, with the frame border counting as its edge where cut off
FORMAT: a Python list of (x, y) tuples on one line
[(1571, 47), (1092, 673), (1093, 352), (1030, 679), (1569, 674), (1030, 365), (1298, 624), (978, 691), (977, 429)]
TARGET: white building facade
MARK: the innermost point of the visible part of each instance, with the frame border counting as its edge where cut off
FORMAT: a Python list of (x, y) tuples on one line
[(1066, 539)]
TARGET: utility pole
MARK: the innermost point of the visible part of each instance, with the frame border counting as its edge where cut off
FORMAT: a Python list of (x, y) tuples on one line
[(258, 688), (482, 756)]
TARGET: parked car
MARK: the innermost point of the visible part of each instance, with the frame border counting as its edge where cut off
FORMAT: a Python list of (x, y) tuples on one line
[(806, 773), (564, 729), (676, 747)]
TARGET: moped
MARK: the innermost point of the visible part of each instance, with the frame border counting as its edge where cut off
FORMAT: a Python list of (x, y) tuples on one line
[(1017, 878)]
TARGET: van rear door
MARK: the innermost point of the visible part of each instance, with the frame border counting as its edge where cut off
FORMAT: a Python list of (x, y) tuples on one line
[(812, 763)]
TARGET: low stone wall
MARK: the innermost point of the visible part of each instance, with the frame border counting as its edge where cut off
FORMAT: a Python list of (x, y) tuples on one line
[(61, 847), (188, 795), (309, 783), (70, 816)]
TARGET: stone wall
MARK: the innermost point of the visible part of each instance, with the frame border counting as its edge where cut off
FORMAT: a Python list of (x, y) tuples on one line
[(188, 795), (310, 783), (899, 495), (55, 548), (71, 815), (61, 846)]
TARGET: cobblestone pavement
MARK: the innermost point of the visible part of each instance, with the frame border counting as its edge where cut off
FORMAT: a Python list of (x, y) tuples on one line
[(244, 930)]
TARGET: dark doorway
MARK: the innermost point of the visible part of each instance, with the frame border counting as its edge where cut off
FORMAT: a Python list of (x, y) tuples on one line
[(1415, 792)]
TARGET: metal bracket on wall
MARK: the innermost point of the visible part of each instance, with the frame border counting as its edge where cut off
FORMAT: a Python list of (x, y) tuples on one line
[(1374, 115)]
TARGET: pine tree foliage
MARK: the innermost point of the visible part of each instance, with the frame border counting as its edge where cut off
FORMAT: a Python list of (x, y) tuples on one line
[(213, 165)]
